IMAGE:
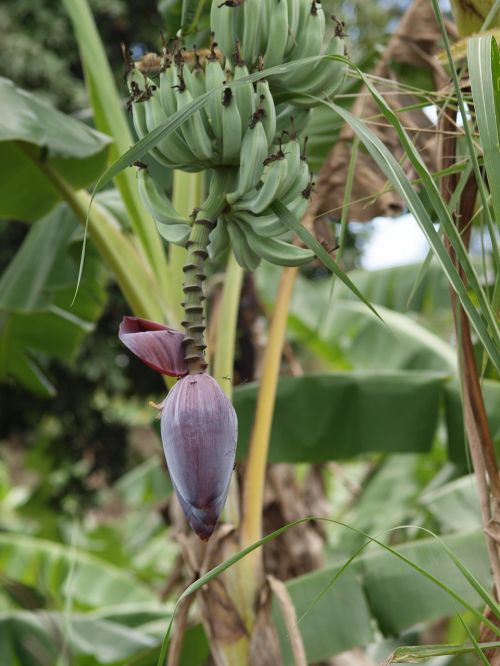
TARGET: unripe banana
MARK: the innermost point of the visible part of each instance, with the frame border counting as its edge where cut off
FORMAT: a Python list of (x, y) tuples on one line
[(310, 37), (167, 80), (253, 153), (214, 78), (267, 225), (309, 40), (231, 128), (218, 239), (173, 147), (193, 129), (157, 202), (244, 255), (293, 24), (244, 95), (171, 225), (178, 234), (266, 105), (288, 116), (251, 32), (276, 22), (198, 87), (299, 186), (325, 78), (139, 119), (222, 22), (258, 200), (277, 251), (292, 157)]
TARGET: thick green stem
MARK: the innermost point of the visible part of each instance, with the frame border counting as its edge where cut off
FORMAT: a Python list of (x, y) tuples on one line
[(194, 275), (187, 193), (110, 118)]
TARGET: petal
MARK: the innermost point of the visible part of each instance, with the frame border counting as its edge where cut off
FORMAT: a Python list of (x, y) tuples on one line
[(199, 431), (156, 345)]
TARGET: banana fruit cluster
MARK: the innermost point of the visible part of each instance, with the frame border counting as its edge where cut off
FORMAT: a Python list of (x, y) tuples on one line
[(249, 132), (277, 32)]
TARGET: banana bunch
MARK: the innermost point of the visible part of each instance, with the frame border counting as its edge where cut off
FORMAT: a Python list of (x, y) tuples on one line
[(249, 224), (277, 32), (214, 135)]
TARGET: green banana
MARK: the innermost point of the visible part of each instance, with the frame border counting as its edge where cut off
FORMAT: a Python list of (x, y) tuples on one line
[(231, 128), (288, 116), (292, 157), (198, 87), (253, 153), (266, 106), (276, 22), (326, 76), (157, 203), (277, 251), (267, 225), (178, 234), (218, 239), (293, 24), (173, 148), (244, 94), (299, 185), (251, 31), (244, 255), (167, 94), (139, 119), (308, 42), (222, 21), (193, 130), (214, 78), (258, 200)]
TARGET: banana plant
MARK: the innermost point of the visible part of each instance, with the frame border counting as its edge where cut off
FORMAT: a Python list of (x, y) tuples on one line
[(235, 112)]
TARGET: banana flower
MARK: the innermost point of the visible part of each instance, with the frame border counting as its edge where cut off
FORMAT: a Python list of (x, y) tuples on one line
[(199, 427)]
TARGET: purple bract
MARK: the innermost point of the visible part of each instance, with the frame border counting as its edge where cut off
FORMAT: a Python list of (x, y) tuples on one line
[(199, 427)]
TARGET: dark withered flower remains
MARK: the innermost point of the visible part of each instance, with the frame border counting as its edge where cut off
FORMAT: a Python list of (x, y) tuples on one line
[(198, 424)]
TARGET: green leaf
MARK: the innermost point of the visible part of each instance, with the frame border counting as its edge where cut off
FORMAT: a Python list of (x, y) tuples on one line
[(339, 620), (62, 572), (36, 317), (29, 125), (386, 498), (340, 415), (454, 506), (106, 641), (397, 595), (294, 225), (392, 287), (349, 336)]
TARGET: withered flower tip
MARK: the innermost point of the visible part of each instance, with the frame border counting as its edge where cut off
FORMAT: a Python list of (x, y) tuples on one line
[(199, 427)]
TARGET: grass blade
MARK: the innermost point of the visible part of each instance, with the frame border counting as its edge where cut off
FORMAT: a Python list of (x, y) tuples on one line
[(220, 568), (400, 182)]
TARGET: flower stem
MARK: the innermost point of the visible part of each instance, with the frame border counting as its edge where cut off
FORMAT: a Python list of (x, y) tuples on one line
[(194, 274)]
